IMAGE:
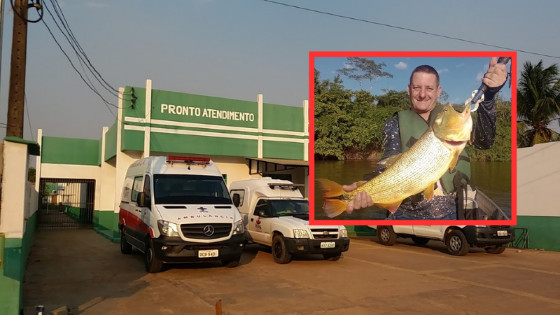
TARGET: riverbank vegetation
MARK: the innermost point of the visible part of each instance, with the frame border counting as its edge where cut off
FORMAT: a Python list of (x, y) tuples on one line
[(349, 124)]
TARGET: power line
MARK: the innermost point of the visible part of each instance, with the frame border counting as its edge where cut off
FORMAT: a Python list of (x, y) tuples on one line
[(28, 119), (407, 29)]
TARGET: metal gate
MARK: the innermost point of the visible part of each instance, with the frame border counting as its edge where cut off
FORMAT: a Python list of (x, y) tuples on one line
[(66, 203)]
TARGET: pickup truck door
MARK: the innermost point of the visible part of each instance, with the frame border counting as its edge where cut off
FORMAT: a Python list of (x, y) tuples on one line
[(431, 231), (259, 223)]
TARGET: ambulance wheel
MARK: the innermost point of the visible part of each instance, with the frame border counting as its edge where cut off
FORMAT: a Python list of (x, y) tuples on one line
[(280, 250), (126, 248), (153, 263)]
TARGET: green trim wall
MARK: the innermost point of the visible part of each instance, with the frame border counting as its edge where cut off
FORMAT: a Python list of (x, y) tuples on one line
[(70, 151), (281, 117), (12, 273), (189, 123), (543, 232), (105, 222)]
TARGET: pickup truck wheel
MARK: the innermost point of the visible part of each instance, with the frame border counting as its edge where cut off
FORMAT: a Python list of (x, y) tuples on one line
[(153, 263), (457, 244), (280, 251), (498, 249), (126, 248), (386, 235), (332, 257), (420, 241)]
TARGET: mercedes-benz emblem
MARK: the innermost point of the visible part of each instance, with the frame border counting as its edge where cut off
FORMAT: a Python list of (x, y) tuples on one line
[(208, 230)]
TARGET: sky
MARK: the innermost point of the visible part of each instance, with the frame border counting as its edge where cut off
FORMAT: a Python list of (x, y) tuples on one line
[(239, 49)]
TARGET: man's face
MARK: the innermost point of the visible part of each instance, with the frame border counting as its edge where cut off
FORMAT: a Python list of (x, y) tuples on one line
[(424, 92)]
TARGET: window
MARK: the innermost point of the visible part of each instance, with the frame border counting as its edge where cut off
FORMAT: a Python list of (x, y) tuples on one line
[(238, 195), (136, 188), (190, 189)]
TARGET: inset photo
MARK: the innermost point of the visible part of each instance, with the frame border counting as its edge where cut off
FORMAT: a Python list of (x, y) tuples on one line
[(413, 138)]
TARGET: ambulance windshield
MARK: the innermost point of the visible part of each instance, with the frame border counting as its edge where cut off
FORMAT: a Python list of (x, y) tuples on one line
[(190, 189)]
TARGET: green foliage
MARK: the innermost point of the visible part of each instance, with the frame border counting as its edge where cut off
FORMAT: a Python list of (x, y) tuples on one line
[(538, 103), (349, 124), (31, 173), (358, 69), (501, 150)]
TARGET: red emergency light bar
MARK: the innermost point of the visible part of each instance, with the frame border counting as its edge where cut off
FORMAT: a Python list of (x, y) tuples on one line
[(188, 159)]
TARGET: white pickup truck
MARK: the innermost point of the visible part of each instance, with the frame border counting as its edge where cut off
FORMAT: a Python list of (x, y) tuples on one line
[(276, 215), (458, 238)]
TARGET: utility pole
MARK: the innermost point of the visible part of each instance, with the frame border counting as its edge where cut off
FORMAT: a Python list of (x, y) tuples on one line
[(17, 71)]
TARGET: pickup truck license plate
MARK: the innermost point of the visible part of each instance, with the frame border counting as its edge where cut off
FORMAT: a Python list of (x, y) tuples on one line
[(502, 233), (327, 244), (207, 253)]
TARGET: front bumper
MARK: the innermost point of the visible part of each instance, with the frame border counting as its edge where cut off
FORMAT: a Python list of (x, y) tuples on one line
[(482, 236), (312, 246), (174, 249)]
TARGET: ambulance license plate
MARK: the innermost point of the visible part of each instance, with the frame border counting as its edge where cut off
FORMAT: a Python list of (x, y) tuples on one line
[(207, 253), (502, 233), (327, 244)]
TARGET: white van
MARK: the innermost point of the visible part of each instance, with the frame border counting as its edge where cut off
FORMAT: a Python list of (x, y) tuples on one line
[(177, 209), (276, 215)]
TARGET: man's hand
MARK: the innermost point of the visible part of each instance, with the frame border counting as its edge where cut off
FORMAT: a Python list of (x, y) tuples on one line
[(496, 74), (362, 199)]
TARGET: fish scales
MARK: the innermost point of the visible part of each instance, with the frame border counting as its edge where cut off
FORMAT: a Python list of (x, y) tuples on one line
[(417, 168)]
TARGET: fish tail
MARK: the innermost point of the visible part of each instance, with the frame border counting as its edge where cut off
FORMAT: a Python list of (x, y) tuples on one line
[(330, 189), (334, 207)]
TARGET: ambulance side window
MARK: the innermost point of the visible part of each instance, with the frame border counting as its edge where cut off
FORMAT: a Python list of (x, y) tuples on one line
[(136, 188)]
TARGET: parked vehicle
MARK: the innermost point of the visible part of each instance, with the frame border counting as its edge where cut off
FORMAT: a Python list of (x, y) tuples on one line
[(458, 238), (275, 214), (177, 209)]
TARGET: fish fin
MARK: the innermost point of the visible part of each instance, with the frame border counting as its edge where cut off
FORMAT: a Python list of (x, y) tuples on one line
[(454, 160), (330, 189), (360, 183), (390, 160), (429, 191), (390, 206), (334, 207)]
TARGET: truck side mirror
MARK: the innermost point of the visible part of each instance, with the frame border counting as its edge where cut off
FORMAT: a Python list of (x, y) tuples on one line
[(142, 200)]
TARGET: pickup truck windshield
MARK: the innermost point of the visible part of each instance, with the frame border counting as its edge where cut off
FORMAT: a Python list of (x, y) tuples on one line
[(284, 207), (190, 189)]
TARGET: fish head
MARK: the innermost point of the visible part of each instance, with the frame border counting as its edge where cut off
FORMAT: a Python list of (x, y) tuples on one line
[(453, 128)]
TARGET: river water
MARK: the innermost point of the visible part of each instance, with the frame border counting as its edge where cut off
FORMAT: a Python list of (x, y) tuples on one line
[(493, 178)]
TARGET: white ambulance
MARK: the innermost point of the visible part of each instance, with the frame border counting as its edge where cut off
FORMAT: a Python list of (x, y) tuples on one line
[(177, 209), (276, 215)]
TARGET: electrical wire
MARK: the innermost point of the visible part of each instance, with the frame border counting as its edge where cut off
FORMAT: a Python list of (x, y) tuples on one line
[(407, 29), (77, 47)]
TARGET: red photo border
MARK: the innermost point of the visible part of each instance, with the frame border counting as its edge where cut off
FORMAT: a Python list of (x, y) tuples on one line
[(489, 54)]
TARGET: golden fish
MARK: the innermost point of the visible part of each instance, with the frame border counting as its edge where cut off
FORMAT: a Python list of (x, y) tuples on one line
[(413, 171)]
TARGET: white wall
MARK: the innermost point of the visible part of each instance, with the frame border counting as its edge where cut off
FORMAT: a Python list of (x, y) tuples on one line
[(538, 180)]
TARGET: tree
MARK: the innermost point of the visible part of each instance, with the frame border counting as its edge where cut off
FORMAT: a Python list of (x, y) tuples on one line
[(358, 69), (538, 102)]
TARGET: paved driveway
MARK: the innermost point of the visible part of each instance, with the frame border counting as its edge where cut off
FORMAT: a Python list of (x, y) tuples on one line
[(85, 272)]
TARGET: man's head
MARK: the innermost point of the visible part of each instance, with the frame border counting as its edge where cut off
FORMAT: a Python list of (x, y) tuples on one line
[(424, 90)]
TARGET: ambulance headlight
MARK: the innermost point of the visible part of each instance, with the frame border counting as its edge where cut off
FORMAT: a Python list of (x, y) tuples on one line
[(343, 232), (238, 227), (300, 233), (168, 228)]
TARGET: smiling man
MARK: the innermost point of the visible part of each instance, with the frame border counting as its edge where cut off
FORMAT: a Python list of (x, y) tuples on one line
[(405, 127)]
